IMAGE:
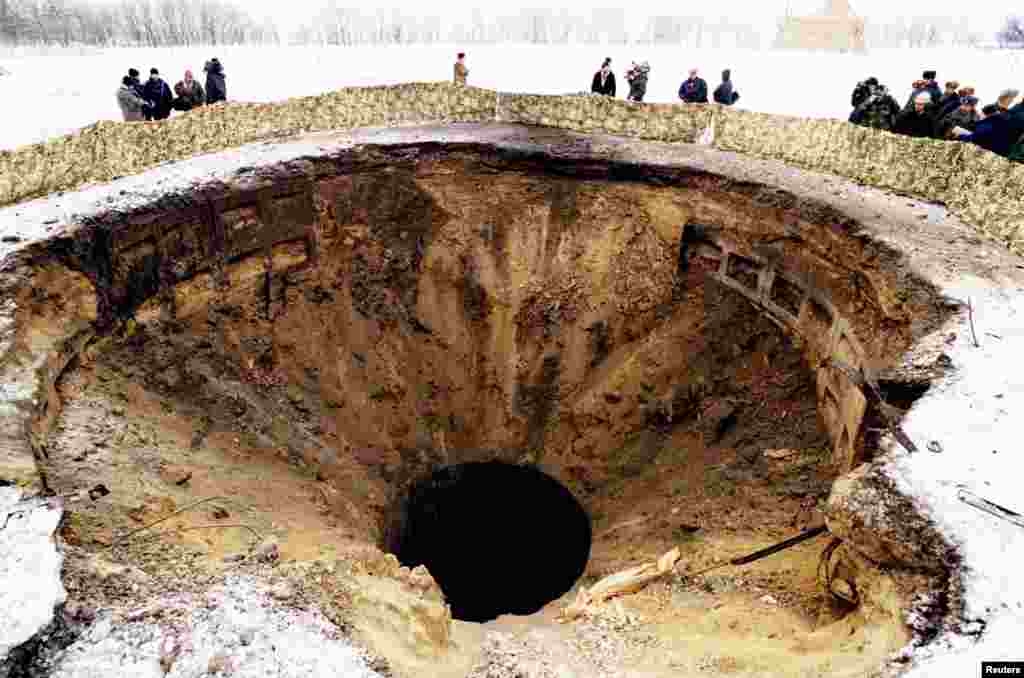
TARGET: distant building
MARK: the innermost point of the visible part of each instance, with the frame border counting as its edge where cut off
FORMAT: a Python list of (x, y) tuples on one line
[(837, 28)]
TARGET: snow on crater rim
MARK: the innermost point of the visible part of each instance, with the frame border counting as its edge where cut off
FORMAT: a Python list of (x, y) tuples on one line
[(235, 629)]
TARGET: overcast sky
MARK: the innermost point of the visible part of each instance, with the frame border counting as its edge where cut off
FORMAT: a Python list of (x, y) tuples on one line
[(982, 15)]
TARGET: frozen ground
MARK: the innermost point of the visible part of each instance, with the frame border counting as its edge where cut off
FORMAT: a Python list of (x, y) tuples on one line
[(57, 94), (235, 630)]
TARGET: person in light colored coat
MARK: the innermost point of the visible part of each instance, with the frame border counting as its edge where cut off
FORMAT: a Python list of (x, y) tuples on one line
[(132, 105)]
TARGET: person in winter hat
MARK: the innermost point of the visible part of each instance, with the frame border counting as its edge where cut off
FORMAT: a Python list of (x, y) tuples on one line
[(604, 80), (216, 88), (189, 93), (862, 90), (965, 117), (878, 110), (724, 93), (926, 84), (950, 106), (950, 97), (637, 76), (158, 92), (133, 74), (131, 104), (694, 89)]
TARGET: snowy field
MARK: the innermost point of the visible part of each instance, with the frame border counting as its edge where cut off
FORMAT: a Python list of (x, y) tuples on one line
[(53, 94)]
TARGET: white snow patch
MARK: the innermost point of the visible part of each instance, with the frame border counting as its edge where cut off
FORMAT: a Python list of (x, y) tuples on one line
[(30, 584), (785, 82), (236, 627), (975, 417)]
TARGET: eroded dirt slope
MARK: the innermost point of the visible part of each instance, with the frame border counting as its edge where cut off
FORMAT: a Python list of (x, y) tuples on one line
[(448, 318)]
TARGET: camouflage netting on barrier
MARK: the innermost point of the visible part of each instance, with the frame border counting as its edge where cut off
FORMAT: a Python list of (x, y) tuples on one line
[(976, 185)]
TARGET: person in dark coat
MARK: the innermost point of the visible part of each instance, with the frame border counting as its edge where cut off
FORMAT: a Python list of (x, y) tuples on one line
[(878, 110), (133, 75), (997, 133), (926, 84), (694, 89), (637, 76), (862, 91), (949, 106), (133, 107), (216, 88), (919, 121), (604, 80), (725, 94), (189, 94), (158, 92), (932, 86), (950, 99), (964, 117)]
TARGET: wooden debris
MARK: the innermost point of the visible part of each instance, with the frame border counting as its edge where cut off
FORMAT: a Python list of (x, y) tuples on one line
[(620, 583)]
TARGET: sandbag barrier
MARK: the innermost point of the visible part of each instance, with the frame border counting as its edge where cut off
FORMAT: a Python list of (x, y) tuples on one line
[(979, 187)]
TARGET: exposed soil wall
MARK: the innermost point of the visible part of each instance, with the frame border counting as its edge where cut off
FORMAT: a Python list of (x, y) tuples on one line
[(356, 277), (979, 186)]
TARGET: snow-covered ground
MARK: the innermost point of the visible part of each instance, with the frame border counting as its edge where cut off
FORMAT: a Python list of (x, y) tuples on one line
[(46, 96)]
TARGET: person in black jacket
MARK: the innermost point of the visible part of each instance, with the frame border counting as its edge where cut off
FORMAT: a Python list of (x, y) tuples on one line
[(919, 120), (158, 91), (133, 75), (862, 91), (216, 89), (604, 80), (694, 89), (724, 93)]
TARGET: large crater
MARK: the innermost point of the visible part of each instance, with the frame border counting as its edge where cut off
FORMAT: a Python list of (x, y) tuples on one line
[(515, 366)]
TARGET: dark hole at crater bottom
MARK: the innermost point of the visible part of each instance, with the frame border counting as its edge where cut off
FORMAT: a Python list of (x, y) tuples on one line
[(497, 538)]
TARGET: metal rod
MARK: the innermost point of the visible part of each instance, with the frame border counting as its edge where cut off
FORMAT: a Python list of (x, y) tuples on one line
[(757, 555), (781, 546), (990, 507)]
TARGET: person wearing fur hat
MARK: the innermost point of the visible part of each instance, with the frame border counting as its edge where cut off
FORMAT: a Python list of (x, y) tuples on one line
[(637, 76), (604, 80)]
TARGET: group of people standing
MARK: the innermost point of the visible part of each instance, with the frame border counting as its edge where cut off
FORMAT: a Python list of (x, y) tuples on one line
[(693, 90), (949, 113), (153, 99)]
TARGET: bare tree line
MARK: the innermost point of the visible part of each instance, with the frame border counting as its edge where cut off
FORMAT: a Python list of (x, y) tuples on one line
[(159, 23), (142, 23)]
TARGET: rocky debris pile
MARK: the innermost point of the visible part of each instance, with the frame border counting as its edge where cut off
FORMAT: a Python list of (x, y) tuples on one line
[(30, 567), (508, 656), (238, 629)]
